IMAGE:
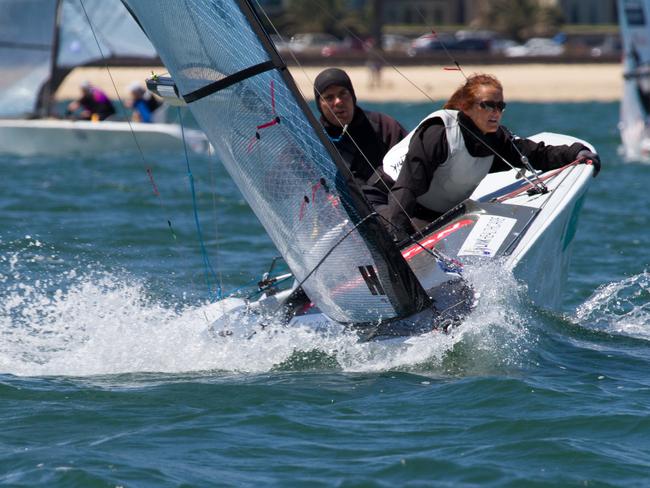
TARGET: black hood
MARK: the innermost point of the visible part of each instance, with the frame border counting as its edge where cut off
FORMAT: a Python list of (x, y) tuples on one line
[(329, 77)]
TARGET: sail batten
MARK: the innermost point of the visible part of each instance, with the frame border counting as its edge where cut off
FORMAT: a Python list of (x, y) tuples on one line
[(279, 157), (229, 80)]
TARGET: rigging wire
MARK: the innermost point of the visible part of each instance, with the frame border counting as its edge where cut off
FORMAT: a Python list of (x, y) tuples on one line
[(367, 160), (377, 54), (217, 237), (536, 183), (161, 200), (328, 254), (209, 272)]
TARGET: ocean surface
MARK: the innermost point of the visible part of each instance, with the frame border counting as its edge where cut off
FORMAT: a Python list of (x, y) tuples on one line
[(110, 377)]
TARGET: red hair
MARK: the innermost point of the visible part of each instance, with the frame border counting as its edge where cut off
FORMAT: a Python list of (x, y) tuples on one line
[(467, 94)]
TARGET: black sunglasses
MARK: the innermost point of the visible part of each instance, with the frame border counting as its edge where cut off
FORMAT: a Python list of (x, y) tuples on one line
[(500, 106)]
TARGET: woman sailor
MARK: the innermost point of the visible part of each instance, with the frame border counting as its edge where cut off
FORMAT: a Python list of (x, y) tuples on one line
[(442, 161)]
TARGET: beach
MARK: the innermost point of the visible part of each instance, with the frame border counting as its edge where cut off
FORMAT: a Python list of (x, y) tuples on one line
[(522, 82)]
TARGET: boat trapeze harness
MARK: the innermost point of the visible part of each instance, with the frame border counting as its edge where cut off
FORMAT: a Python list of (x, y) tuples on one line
[(456, 178)]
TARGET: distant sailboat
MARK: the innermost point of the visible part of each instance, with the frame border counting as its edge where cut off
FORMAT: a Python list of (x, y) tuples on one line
[(224, 65), (41, 41), (634, 18)]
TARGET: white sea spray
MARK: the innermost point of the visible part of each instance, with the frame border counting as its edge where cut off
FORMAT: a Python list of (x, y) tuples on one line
[(98, 322)]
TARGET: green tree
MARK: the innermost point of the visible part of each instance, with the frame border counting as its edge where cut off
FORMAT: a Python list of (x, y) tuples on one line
[(332, 16), (519, 19)]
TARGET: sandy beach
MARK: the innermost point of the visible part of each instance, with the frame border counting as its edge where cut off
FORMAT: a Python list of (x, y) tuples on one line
[(522, 82)]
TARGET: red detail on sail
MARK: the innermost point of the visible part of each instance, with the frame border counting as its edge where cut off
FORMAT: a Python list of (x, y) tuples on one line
[(268, 124)]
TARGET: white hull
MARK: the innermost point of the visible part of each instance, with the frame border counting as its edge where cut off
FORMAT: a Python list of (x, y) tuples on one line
[(539, 257), (85, 138)]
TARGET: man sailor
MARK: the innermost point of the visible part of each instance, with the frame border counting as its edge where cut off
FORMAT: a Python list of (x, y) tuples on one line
[(362, 137), (143, 104)]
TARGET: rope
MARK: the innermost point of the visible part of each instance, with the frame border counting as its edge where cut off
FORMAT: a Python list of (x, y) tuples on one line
[(208, 269), (529, 186), (378, 55), (148, 169), (328, 253)]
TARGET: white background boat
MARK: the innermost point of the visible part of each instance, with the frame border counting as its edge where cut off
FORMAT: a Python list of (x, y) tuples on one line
[(634, 19), (41, 41), (85, 138)]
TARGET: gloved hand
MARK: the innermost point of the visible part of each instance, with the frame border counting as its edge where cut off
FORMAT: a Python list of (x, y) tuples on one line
[(586, 154)]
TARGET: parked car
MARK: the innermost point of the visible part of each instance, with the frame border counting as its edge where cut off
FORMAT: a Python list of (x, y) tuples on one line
[(311, 42), (281, 44), (431, 43), (611, 45), (499, 46), (349, 45), (462, 41), (395, 43), (536, 46)]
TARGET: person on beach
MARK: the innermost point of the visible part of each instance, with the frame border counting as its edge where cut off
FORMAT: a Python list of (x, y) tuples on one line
[(442, 161), (142, 103), (362, 137), (93, 104)]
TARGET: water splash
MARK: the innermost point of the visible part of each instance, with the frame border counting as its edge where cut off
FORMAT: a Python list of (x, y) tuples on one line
[(91, 322), (621, 307)]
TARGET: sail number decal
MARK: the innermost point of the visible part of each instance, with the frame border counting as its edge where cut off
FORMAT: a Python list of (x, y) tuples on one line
[(486, 237)]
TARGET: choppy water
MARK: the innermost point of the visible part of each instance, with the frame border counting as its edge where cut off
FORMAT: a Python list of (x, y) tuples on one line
[(108, 376)]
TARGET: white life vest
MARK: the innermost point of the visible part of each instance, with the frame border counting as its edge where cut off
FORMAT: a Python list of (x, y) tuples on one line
[(456, 178)]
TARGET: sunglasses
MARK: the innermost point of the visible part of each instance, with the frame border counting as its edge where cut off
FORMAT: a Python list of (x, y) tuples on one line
[(492, 106)]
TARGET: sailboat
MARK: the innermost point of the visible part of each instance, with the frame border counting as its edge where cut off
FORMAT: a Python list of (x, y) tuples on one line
[(345, 267), (41, 41), (635, 105)]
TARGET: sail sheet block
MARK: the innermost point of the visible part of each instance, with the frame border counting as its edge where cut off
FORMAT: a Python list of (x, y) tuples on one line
[(264, 137)]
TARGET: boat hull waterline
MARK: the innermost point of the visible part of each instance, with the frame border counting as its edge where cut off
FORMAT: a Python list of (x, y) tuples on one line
[(61, 138)]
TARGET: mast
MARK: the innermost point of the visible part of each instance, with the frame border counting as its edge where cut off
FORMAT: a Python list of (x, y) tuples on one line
[(45, 101), (411, 297)]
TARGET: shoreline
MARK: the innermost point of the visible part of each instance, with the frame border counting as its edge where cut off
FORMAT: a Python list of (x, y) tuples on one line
[(521, 82)]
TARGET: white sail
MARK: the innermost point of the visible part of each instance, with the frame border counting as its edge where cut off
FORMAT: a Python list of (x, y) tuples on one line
[(26, 35), (242, 96), (40, 37), (634, 17)]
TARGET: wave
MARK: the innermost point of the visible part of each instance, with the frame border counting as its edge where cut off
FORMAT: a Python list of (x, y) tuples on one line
[(84, 322), (621, 307)]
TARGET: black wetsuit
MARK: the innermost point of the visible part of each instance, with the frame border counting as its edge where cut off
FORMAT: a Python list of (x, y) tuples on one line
[(428, 149), (96, 102), (367, 140)]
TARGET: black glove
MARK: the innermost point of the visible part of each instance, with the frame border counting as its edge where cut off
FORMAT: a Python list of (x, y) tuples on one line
[(586, 155)]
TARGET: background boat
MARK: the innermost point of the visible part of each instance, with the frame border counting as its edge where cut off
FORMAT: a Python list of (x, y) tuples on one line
[(41, 42), (634, 18)]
